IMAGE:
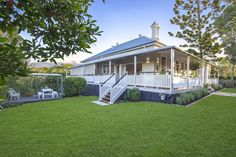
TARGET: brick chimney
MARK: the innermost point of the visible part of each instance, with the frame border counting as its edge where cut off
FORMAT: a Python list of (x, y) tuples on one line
[(155, 31)]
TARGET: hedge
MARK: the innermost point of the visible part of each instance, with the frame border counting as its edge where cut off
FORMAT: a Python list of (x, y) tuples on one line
[(74, 86), (186, 98), (134, 94)]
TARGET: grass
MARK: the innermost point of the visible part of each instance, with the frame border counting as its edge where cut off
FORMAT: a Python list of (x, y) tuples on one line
[(74, 127), (229, 90)]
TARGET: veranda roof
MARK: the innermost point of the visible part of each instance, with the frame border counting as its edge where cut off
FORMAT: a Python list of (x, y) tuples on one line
[(128, 54)]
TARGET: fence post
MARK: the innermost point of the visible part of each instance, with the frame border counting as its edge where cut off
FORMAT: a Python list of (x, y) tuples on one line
[(172, 64)]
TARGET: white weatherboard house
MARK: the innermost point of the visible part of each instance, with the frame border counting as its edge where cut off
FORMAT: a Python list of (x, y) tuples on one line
[(147, 64)]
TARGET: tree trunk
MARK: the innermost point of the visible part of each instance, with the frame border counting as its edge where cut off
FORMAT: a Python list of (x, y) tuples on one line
[(232, 72)]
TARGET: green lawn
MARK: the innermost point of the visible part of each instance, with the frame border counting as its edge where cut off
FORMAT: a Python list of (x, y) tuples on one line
[(76, 127), (229, 90)]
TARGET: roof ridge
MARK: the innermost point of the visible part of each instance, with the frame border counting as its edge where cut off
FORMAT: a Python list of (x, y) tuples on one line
[(126, 45), (127, 42)]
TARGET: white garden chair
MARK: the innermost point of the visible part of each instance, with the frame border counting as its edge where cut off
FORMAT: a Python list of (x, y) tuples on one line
[(12, 94), (40, 95), (54, 94)]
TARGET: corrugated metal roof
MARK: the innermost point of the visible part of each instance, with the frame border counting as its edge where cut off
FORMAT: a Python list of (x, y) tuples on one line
[(143, 40)]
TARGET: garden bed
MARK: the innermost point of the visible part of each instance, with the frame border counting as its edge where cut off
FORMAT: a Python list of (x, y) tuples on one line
[(197, 94)]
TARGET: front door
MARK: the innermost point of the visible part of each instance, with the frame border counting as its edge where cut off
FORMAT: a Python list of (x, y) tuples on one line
[(120, 71)]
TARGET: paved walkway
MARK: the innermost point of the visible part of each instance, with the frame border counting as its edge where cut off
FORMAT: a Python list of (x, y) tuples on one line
[(224, 94), (100, 103)]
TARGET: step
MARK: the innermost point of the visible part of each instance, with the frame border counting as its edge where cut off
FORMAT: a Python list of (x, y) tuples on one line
[(107, 96), (106, 99), (107, 102)]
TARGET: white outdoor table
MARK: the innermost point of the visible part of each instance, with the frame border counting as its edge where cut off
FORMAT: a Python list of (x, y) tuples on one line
[(46, 90)]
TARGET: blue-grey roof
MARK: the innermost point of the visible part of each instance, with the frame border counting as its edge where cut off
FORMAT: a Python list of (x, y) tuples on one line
[(124, 46)]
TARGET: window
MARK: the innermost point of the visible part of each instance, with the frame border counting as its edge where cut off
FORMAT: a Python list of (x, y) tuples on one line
[(105, 69)]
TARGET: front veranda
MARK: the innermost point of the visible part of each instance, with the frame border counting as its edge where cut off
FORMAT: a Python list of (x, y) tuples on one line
[(164, 70)]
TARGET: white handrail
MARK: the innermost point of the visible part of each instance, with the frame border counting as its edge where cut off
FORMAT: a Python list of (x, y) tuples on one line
[(105, 87), (150, 80), (118, 89)]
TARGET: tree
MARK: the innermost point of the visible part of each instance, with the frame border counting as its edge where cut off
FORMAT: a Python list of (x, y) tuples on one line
[(194, 52), (57, 28), (12, 60), (194, 17), (226, 27), (62, 69)]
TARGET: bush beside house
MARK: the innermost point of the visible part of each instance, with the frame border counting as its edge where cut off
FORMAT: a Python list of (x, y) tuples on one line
[(187, 98), (134, 94), (3, 92), (217, 87), (74, 86)]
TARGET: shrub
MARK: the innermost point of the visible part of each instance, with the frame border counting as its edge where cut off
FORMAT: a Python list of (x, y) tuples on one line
[(204, 92), (216, 86), (185, 98), (191, 97), (74, 86), (205, 86), (3, 92), (197, 94), (134, 94), (179, 101)]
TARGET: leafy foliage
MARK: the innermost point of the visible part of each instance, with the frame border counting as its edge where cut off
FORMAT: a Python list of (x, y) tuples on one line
[(29, 86), (217, 86), (74, 86), (226, 27), (134, 94), (62, 69), (186, 98), (3, 91), (194, 17), (57, 28), (13, 61)]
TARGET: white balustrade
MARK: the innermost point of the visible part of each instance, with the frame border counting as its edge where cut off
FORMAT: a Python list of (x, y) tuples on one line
[(150, 80), (180, 82), (213, 81), (195, 82)]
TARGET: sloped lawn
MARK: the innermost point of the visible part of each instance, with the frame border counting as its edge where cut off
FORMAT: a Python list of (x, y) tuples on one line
[(76, 127), (229, 90)]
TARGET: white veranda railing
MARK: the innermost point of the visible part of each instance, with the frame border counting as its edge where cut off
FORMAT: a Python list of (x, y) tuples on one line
[(150, 80), (213, 81)]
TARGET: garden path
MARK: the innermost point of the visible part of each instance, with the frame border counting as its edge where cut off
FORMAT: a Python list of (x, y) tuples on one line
[(224, 94)]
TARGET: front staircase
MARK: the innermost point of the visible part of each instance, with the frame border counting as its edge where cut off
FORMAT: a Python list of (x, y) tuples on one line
[(106, 98), (110, 90)]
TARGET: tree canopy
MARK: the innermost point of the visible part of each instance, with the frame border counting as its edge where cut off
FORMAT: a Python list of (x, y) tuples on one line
[(56, 28), (226, 27), (194, 17)]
